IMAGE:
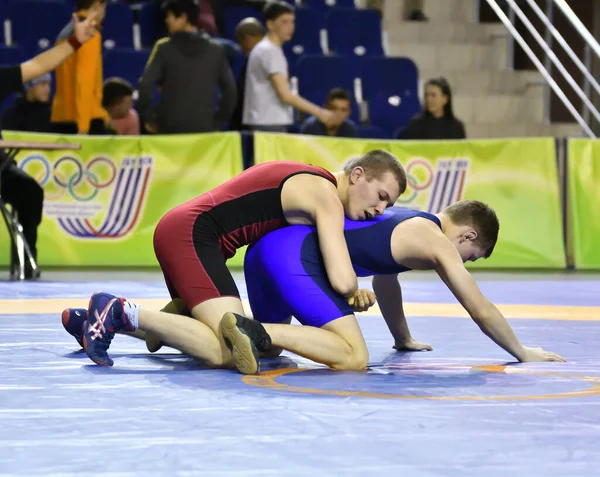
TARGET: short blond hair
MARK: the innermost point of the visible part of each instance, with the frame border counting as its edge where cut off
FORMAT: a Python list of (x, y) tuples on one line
[(376, 163)]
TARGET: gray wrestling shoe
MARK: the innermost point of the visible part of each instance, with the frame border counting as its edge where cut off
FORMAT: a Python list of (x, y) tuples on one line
[(245, 338)]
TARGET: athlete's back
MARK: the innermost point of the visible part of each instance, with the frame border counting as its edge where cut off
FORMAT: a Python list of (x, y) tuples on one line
[(244, 208), (369, 243)]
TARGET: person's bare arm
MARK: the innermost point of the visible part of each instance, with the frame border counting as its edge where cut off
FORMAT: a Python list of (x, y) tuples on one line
[(306, 199), (389, 296), (450, 268), (328, 213), (52, 58), (280, 84)]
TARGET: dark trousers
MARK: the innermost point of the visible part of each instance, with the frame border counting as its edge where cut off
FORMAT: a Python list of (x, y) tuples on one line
[(97, 127), (27, 198)]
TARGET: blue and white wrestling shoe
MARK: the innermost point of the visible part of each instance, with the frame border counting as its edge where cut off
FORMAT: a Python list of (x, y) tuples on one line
[(72, 320), (106, 316)]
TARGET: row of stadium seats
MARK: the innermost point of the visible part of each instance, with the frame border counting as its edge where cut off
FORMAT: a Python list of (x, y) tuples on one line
[(35, 32), (389, 86), (349, 31)]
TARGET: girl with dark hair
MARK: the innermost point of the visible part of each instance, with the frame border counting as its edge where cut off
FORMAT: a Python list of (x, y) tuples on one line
[(437, 120)]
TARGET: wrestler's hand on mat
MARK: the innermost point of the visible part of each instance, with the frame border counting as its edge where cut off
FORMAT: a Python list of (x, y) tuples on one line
[(362, 300), (412, 345), (539, 354)]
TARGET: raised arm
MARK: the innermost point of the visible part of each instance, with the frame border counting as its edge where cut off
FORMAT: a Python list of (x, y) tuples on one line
[(52, 58)]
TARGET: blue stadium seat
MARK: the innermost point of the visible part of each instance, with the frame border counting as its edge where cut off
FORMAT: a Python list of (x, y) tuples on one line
[(318, 74), (39, 30), (307, 39), (125, 63), (370, 132), (152, 25), (117, 28), (3, 16), (324, 5), (391, 76), (233, 15), (393, 112), (354, 32), (11, 55)]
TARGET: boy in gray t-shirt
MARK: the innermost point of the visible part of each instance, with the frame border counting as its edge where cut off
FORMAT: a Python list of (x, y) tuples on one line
[(268, 100)]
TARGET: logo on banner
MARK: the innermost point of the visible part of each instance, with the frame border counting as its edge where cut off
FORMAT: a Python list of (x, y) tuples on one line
[(433, 187), (94, 199)]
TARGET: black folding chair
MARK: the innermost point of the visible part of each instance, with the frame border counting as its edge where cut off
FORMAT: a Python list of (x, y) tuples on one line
[(20, 251)]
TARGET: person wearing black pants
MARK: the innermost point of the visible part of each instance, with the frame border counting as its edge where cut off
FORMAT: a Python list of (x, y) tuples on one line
[(27, 198), (16, 187)]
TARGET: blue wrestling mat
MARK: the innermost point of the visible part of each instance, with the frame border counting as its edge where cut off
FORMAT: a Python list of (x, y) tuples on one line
[(462, 410)]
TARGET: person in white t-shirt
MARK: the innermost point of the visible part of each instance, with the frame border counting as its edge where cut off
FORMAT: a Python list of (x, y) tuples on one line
[(268, 101)]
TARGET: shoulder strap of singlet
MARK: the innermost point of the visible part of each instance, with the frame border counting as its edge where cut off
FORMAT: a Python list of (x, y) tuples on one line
[(433, 218), (311, 170)]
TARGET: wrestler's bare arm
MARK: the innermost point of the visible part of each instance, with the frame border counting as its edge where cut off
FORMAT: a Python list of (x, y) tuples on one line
[(450, 268), (420, 244), (389, 296)]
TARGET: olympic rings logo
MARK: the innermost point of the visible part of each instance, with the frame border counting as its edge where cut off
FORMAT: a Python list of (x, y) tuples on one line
[(414, 184), (68, 173)]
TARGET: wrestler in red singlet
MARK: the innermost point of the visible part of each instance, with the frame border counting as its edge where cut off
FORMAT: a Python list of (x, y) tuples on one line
[(193, 241)]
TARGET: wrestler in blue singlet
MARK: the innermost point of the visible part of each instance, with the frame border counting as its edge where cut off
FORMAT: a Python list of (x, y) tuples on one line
[(285, 273)]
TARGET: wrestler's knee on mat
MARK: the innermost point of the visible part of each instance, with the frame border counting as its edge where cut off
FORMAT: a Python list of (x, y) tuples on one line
[(355, 360)]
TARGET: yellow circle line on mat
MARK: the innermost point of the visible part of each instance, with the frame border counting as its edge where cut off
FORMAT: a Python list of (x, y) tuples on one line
[(267, 380), (452, 310)]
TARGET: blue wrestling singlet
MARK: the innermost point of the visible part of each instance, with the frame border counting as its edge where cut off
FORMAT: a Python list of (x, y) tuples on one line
[(285, 273)]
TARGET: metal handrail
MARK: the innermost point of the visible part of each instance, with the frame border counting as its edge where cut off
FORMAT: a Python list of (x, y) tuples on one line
[(550, 54), (579, 26), (538, 64), (565, 45)]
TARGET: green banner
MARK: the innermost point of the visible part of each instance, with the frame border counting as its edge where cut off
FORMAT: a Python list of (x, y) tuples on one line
[(102, 203), (518, 178), (583, 172)]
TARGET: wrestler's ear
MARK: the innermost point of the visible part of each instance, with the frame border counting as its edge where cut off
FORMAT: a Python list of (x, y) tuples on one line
[(356, 174), (471, 235)]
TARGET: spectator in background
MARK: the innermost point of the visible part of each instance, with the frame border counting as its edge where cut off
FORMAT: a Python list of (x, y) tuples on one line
[(338, 101), (248, 33), (207, 23), (117, 99), (206, 18), (268, 100), (190, 68), (437, 120), (31, 111), (18, 188), (77, 106)]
